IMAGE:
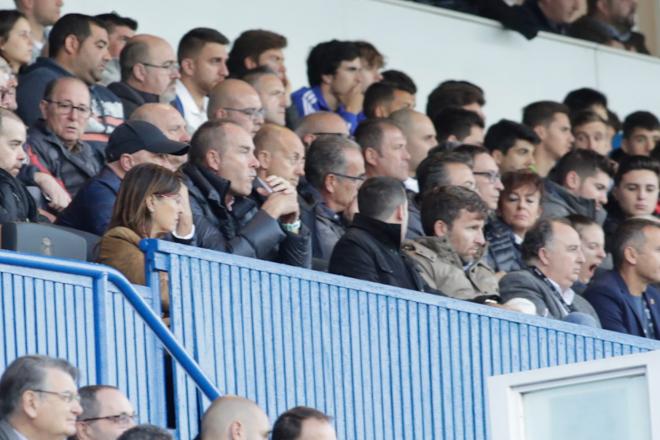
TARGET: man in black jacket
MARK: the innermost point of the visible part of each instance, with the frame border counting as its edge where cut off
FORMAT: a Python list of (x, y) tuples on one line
[(220, 175)]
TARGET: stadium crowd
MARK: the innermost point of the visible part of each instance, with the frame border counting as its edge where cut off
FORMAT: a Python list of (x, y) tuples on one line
[(122, 137)]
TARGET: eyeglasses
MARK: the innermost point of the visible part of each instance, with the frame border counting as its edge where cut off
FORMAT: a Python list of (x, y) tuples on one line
[(65, 107), (122, 419), (172, 66), (492, 176), (66, 396), (254, 113), (361, 178)]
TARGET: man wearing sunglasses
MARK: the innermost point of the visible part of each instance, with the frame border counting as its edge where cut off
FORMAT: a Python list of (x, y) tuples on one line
[(106, 414)]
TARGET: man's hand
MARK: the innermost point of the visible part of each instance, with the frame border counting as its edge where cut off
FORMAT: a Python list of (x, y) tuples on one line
[(353, 101), (57, 197), (282, 202)]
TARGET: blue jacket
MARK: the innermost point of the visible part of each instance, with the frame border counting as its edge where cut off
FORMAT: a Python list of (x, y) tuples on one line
[(615, 306), (91, 209), (310, 100)]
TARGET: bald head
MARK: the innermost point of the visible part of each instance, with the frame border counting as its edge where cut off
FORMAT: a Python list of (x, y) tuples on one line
[(420, 135), (231, 417), (280, 153), (166, 118), (148, 64), (237, 101), (320, 123)]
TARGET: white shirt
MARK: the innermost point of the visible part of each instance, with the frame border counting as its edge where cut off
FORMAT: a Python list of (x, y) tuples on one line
[(568, 294), (411, 184), (193, 115)]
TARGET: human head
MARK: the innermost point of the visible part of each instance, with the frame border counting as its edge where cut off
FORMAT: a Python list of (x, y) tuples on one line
[(255, 48), (635, 249), (381, 99), (619, 13), (590, 132), (41, 392), (42, 12), (559, 11), (590, 29), (280, 153), (106, 413), (12, 138), (384, 199), (334, 65), (593, 244), (148, 201), (165, 117), (234, 417), (554, 247), (79, 43), (586, 99), (641, 132), (120, 30), (321, 123), (520, 200), (384, 148), (457, 214), (15, 38), (272, 93), (148, 64), (486, 173), (458, 125), (237, 101), (512, 145), (453, 93), (8, 85), (66, 109), (419, 133), (636, 185), (303, 423), (401, 80), (146, 432), (445, 169), (202, 55), (335, 167), (226, 149), (372, 62), (586, 174), (550, 121)]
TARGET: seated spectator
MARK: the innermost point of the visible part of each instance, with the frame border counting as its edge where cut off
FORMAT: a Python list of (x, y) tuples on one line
[(459, 126), (41, 15), (272, 93), (146, 432), (237, 101), (590, 132), (149, 71), (450, 255), (371, 248), (132, 143), (550, 121), (258, 48), (120, 30), (233, 417), (401, 80), (486, 174), (15, 39), (635, 192), (8, 85), (512, 145), (641, 133), (167, 119), (333, 72), (54, 143), (586, 99), (534, 16), (334, 167), (39, 399), (578, 185), (384, 148), (16, 203), (453, 93), (420, 138), (302, 423), (220, 175), (372, 62), (106, 413), (626, 298), (552, 252), (519, 209), (617, 18), (382, 99), (590, 29), (593, 249), (202, 56), (280, 153), (320, 123)]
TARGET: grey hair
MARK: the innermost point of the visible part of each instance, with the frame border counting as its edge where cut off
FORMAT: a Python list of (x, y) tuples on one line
[(326, 156)]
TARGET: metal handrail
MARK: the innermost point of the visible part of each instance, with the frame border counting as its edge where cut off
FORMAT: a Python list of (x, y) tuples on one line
[(153, 321)]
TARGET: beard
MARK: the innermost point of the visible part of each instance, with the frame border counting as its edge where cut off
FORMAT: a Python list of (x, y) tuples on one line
[(169, 94)]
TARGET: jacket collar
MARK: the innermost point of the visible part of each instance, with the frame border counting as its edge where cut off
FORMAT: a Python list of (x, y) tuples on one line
[(574, 203), (41, 128), (389, 234)]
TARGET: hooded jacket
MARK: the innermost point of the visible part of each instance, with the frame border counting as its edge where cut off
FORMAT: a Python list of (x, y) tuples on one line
[(560, 202), (131, 98)]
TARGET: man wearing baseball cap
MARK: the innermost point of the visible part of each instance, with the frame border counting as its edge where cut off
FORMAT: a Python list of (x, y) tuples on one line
[(132, 143)]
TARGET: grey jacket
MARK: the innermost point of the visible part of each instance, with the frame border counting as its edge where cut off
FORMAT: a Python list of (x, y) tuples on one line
[(560, 202), (7, 432)]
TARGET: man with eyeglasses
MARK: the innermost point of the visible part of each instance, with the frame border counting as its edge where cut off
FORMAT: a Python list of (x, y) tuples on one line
[(149, 71), (237, 101), (39, 399), (106, 414), (486, 174)]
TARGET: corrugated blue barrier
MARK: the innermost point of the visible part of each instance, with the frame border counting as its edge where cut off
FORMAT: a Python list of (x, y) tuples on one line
[(385, 363)]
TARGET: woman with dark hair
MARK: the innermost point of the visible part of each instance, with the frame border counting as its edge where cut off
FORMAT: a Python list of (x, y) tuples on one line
[(15, 39), (519, 209)]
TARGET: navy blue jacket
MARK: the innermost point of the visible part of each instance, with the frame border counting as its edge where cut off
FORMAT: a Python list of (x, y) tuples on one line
[(616, 308)]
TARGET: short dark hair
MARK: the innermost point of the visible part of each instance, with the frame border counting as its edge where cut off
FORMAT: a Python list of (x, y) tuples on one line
[(194, 40), (325, 58), (629, 233), (455, 121), (633, 163), (146, 432), (288, 425), (210, 135), (370, 132), (432, 171), (613, 120), (639, 119), (8, 18), (378, 93), (88, 403), (113, 20), (446, 202), (472, 151), (586, 163), (584, 98), (453, 94), (370, 54), (543, 113), (579, 222), (503, 135), (251, 44), (585, 117), (538, 237), (326, 156), (79, 25), (401, 80), (378, 197)]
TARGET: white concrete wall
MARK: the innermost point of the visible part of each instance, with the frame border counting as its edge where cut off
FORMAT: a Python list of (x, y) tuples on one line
[(430, 44)]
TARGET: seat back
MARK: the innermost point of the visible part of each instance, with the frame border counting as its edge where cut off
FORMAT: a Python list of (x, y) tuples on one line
[(43, 239)]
